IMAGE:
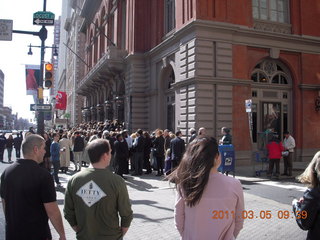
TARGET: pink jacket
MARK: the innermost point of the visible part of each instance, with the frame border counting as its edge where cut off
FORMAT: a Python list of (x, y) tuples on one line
[(218, 215)]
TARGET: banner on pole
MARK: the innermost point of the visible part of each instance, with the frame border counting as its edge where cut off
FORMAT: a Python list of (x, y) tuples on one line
[(61, 100), (32, 80)]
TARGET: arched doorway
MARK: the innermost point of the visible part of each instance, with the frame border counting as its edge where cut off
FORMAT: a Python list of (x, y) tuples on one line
[(271, 98)]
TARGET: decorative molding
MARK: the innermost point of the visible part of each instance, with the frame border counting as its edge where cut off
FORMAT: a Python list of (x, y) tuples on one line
[(309, 86), (272, 26)]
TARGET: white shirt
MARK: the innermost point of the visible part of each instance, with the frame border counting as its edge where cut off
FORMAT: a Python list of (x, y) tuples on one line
[(289, 143)]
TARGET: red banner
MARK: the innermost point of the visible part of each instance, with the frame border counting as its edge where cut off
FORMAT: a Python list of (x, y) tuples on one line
[(61, 100), (32, 79)]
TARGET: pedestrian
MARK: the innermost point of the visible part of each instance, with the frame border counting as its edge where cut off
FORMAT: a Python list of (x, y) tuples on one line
[(55, 158), (3, 142), (275, 149), (177, 148), (47, 155), (95, 198), (227, 138), (29, 197), (167, 139), (203, 193), (289, 144), (193, 134), (65, 146), (159, 148), (138, 146), (78, 147), (9, 147), (121, 155), (202, 131), (307, 209), (146, 152), (17, 141)]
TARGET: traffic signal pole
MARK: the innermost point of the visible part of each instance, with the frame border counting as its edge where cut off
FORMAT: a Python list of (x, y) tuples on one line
[(42, 34)]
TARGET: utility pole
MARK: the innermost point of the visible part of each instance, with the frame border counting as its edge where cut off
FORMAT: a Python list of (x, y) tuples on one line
[(40, 18)]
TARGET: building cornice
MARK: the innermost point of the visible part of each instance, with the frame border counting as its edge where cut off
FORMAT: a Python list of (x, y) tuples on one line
[(242, 35)]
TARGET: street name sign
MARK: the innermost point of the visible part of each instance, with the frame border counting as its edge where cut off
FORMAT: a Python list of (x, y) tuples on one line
[(6, 30), (43, 18), (40, 107)]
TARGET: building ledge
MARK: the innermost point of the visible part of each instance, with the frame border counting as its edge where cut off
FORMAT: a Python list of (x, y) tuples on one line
[(109, 65)]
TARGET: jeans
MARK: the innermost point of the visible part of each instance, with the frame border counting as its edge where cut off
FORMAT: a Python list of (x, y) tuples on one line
[(17, 152), (9, 153), (56, 167), (77, 160), (138, 162)]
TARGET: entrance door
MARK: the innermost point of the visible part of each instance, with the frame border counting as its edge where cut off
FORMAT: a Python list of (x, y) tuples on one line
[(271, 119)]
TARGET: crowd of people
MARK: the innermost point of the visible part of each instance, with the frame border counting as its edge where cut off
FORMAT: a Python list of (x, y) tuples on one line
[(97, 204)]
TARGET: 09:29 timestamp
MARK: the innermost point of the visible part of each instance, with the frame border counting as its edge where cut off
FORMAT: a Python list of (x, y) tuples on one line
[(263, 214)]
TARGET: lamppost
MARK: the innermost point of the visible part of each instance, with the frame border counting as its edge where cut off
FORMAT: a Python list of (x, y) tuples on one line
[(54, 47), (119, 104), (108, 104)]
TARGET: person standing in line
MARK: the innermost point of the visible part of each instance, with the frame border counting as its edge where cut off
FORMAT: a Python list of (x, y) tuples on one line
[(55, 157), (177, 148), (146, 152), (78, 147), (17, 141), (95, 198), (121, 155), (3, 142), (9, 147), (289, 144), (28, 195), (307, 209), (202, 193), (193, 134), (65, 146), (159, 146), (167, 139), (227, 138), (46, 159), (138, 146), (202, 132), (275, 149)]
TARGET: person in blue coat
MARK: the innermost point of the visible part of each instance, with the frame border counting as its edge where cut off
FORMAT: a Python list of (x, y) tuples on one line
[(177, 148), (55, 157)]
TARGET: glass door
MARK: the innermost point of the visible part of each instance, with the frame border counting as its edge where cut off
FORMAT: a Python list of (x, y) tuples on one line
[(271, 117)]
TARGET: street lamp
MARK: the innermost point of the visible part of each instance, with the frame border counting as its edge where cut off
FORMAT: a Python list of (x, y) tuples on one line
[(55, 49)]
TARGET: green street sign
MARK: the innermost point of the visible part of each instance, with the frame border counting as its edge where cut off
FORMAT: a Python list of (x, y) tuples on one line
[(43, 18)]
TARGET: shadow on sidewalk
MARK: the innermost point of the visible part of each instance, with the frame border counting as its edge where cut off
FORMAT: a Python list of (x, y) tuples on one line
[(150, 203), (139, 185)]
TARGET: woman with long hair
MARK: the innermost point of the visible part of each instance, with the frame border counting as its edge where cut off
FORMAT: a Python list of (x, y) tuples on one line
[(307, 209), (209, 205), (159, 146)]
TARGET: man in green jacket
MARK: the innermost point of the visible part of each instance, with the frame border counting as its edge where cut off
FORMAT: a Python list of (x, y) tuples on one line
[(95, 198)]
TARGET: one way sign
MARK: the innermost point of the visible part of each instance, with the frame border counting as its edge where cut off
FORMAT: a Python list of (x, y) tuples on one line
[(40, 107)]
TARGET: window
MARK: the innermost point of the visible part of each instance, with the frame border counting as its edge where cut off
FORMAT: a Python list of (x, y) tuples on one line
[(271, 10), (269, 72), (170, 15)]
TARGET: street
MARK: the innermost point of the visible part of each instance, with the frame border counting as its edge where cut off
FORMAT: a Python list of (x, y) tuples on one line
[(153, 201)]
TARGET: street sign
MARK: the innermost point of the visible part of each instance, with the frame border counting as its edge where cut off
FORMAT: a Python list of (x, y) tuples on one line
[(40, 107), (6, 30), (43, 18)]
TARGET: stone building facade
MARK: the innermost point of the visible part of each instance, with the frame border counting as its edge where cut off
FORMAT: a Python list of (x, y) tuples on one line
[(193, 63)]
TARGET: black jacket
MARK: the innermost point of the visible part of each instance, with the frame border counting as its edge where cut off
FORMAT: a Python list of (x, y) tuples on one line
[(177, 148), (138, 145), (78, 144), (158, 144), (311, 206)]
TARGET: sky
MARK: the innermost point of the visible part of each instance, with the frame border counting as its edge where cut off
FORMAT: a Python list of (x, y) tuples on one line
[(13, 54)]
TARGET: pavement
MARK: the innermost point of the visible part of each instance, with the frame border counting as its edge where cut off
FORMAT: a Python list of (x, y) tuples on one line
[(152, 201)]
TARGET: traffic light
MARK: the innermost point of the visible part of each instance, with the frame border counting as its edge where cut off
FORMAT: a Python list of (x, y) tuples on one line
[(48, 75)]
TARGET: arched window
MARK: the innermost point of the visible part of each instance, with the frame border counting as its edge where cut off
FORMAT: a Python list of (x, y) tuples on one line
[(95, 43), (269, 71), (102, 32), (271, 10), (170, 15)]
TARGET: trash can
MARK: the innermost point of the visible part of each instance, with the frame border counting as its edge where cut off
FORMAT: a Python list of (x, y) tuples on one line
[(227, 159)]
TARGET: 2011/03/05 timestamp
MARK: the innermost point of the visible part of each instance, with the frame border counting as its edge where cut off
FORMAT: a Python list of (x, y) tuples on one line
[(263, 214)]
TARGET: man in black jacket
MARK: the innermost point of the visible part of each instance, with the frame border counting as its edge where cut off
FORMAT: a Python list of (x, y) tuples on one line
[(138, 147), (177, 148)]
